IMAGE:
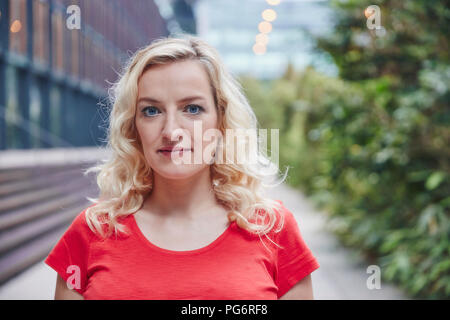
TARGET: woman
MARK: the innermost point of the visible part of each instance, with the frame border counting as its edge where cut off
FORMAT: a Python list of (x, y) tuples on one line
[(163, 228)]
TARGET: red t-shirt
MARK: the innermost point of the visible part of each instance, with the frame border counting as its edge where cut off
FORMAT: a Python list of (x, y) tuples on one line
[(236, 266)]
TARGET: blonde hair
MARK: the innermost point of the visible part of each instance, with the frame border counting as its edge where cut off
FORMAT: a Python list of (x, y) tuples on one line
[(126, 178)]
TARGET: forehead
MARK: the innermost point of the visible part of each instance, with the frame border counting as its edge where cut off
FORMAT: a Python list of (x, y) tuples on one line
[(176, 77)]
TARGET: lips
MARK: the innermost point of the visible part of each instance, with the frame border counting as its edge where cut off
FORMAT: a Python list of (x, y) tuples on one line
[(171, 149), (168, 151)]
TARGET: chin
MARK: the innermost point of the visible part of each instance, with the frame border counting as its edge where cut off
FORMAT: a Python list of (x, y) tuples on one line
[(178, 172)]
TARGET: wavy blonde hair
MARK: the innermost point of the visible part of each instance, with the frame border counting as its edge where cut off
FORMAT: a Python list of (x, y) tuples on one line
[(125, 178)]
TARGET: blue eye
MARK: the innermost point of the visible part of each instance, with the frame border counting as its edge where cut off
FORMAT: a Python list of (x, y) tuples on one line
[(195, 107), (150, 109)]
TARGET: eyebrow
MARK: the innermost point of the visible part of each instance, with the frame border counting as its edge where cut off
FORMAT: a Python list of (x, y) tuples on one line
[(152, 100)]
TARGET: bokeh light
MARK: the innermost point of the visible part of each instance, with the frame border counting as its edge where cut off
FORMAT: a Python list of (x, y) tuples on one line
[(269, 15), (273, 2), (259, 48), (265, 27), (16, 26), (262, 38)]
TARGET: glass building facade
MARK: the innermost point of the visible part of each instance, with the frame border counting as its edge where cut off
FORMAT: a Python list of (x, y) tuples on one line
[(232, 26)]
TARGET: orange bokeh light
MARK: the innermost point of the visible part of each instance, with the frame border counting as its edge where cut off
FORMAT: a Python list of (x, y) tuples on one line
[(262, 38), (16, 26), (259, 48), (265, 27)]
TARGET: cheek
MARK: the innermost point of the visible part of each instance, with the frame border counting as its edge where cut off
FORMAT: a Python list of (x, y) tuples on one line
[(147, 135), (211, 122), (206, 125), (209, 136)]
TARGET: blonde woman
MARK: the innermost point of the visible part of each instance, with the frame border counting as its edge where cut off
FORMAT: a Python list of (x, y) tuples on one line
[(166, 229)]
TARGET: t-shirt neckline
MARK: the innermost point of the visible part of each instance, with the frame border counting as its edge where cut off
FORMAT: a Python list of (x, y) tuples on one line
[(206, 248)]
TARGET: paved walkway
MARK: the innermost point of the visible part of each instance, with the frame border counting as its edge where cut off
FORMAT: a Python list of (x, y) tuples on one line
[(341, 276)]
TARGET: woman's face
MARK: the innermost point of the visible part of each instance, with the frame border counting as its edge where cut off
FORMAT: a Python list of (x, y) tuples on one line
[(172, 99)]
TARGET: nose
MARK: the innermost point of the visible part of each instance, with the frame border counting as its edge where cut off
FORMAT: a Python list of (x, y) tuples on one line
[(172, 131)]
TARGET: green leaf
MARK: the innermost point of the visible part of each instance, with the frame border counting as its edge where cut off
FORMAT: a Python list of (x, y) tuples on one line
[(445, 203), (434, 180), (419, 283), (442, 267)]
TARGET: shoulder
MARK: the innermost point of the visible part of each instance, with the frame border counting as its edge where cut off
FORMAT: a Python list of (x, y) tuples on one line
[(285, 219), (286, 228), (79, 229)]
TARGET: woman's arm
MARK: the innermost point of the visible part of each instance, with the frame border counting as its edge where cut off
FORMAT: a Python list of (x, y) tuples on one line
[(62, 292), (301, 291)]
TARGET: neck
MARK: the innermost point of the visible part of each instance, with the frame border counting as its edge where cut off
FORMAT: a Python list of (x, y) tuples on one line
[(183, 198)]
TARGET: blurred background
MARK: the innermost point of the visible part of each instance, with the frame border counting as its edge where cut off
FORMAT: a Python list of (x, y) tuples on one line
[(358, 89)]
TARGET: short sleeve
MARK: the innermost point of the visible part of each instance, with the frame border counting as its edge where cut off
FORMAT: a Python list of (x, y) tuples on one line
[(294, 260), (70, 254)]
